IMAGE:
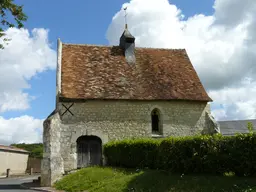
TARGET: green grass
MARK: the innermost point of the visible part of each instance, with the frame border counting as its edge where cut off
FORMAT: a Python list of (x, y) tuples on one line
[(96, 179)]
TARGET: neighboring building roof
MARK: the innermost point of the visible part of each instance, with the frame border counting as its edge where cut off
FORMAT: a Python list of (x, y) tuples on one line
[(101, 72), (12, 149), (233, 127)]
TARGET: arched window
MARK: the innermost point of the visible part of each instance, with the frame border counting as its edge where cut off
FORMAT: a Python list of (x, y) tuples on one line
[(155, 121)]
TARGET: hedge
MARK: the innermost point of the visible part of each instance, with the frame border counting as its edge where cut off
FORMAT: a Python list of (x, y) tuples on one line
[(195, 154)]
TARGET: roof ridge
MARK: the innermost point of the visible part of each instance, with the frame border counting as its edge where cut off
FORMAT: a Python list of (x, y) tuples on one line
[(88, 45), (13, 148), (98, 45)]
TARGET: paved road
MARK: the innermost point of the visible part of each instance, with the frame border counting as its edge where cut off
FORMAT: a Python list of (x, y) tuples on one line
[(13, 184)]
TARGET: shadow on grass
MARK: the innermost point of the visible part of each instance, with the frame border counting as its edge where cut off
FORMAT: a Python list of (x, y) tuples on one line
[(160, 181)]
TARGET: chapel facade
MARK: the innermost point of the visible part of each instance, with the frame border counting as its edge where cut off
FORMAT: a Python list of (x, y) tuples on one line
[(106, 93)]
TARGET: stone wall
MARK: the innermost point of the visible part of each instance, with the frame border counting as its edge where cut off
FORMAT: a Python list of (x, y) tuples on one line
[(52, 167), (35, 164), (212, 126), (113, 120), (133, 119)]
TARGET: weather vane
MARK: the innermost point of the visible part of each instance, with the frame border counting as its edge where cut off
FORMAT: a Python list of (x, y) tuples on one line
[(125, 17)]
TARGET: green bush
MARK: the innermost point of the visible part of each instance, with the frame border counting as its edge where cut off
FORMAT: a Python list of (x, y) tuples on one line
[(194, 154), (132, 153)]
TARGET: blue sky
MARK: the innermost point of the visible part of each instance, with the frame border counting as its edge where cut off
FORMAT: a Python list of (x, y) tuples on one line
[(84, 22)]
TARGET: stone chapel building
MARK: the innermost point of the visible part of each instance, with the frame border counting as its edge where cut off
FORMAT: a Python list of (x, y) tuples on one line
[(109, 93)]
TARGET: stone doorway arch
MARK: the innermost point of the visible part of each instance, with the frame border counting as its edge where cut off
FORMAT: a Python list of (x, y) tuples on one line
[(89, 151)]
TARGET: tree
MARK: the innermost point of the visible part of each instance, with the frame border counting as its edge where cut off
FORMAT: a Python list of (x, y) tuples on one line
[(35, 149), (250, 127), (9, 8)]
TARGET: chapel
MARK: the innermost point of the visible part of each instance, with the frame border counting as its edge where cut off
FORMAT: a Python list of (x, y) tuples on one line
[(106, 93)]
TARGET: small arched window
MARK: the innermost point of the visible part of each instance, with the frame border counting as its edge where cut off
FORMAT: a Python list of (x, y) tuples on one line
[(155, 121)]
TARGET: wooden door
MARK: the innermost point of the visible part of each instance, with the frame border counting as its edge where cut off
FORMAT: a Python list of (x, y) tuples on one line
[(89, 151), (95, 153), (83, 154)]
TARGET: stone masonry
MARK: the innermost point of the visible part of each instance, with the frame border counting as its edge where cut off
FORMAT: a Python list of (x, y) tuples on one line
[(115, 120), (122, 119)]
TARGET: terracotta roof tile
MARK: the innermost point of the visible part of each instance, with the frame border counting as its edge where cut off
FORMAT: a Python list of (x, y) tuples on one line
[(101, 72)]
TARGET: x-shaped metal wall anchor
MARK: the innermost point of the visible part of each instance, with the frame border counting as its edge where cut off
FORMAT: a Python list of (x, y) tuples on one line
[(67, 109)]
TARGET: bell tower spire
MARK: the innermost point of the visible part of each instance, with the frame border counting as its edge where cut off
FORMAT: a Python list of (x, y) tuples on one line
[(127, 43)]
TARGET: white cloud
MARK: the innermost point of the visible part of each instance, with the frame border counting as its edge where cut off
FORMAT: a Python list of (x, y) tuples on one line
[(222, 47), (24, 129), (146, 19), (237, 102), (26, 55), (233, 12)]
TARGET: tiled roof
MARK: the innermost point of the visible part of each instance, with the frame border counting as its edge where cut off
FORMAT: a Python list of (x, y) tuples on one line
[(11, 148), (101, 72), (237, 126)]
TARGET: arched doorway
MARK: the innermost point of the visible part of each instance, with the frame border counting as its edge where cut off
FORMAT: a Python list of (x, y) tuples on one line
[(89, 151)]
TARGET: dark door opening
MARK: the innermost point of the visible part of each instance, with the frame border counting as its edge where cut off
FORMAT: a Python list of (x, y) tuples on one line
[(155, 121), (89, 151)]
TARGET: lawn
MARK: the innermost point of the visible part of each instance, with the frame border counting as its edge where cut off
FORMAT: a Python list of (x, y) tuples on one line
[(97, 179)]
